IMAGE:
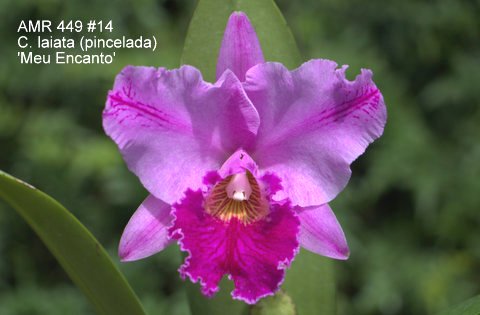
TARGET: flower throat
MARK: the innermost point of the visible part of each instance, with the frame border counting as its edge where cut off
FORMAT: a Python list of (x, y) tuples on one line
[(237, 197)]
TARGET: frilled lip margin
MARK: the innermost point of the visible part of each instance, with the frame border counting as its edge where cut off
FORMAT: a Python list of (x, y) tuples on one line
[(253, 255)]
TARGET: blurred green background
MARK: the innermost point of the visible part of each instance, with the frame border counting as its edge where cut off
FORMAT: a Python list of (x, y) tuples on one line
[(410, 212)]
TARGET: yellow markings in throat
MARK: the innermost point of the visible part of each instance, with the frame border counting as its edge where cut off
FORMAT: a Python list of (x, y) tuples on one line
[(237, 196)]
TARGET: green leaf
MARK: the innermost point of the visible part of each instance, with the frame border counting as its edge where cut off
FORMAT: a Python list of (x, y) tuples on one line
[(279, 304), (208, 23), (217, 305), (310, 282), (469, 307), (79, 253)]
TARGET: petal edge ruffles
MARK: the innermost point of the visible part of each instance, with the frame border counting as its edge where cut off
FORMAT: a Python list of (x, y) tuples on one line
[(315, 123), (254, 255)]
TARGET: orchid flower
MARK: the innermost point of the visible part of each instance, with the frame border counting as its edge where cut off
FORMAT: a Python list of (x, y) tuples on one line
[(240, 171)]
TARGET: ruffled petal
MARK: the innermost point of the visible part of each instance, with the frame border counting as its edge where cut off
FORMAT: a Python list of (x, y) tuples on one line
[(240, 48), (321, 233), (254, 255), (314, 124), (147, 231), (172, 127)]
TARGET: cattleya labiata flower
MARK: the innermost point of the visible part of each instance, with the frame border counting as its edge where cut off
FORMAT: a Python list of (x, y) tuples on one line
[(240, 172)]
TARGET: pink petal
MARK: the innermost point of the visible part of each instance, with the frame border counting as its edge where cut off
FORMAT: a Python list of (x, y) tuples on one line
[(240, 48), (321, 233), (315, 123), (147, 231), (172, 127), (255, 256)]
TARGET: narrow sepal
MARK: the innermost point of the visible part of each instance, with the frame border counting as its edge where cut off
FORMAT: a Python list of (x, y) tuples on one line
[(321, 233), (147, 231), (240, 48)]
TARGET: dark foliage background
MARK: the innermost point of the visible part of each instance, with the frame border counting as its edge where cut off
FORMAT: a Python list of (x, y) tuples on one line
[(410, 211)]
